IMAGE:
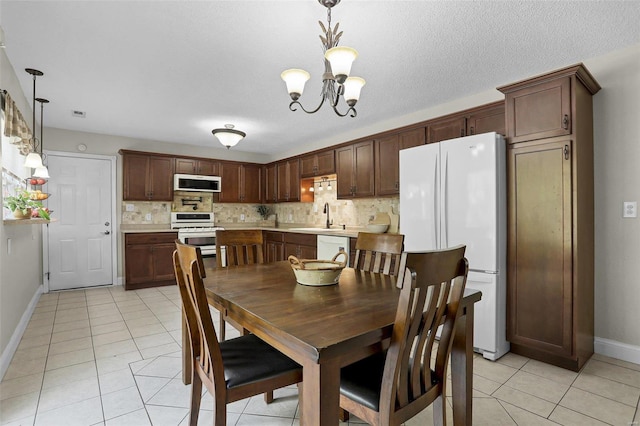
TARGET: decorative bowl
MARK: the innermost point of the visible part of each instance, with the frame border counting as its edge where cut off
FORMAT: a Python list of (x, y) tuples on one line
[(377, 228), (315, 272)]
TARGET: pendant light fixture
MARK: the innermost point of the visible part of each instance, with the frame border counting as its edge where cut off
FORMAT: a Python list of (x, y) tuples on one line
[(33, 159), (42, 171), (337, 67), (228, 136)]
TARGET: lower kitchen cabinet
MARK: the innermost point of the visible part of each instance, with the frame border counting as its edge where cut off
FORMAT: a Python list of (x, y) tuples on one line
[(148, 259), (302, 246), (273, 246)]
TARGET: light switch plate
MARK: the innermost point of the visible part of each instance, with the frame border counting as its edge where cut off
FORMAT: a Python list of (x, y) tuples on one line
[(630, 209), (147, 216), (242, 217)]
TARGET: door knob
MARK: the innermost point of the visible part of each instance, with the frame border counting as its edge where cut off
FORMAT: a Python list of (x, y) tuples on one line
[(106, 232)]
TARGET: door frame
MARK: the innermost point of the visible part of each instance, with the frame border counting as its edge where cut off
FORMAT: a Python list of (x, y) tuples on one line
[(115, 219)]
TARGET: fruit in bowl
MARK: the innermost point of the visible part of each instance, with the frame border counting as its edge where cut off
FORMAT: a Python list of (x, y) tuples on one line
[(41, 212)]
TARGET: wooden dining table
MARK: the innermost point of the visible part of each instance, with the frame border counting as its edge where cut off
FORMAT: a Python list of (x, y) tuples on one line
[(327, 327)]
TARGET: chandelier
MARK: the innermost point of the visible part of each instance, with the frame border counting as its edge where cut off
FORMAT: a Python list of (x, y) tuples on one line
[(337, 67)]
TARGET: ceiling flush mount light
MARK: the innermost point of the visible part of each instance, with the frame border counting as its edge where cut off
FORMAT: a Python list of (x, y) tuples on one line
[(337, 67), (228, 136), (33, 159)]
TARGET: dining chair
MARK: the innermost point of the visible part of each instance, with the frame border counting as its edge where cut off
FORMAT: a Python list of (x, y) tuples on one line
[(390, 387), (379, 252), (235, 248), (231, 370)]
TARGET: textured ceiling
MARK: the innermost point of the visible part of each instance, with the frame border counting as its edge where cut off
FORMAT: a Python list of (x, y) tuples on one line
[(173, 70)]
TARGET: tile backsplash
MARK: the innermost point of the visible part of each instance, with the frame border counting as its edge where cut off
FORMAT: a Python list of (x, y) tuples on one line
[(352, 213)]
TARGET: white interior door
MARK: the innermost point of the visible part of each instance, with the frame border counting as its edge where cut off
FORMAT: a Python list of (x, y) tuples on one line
[(80, 242)]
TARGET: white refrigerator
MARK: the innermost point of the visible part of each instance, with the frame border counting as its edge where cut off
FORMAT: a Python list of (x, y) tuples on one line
[(454, 192)]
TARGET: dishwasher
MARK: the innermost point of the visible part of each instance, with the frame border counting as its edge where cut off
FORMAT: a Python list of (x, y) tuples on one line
[(330, 245)]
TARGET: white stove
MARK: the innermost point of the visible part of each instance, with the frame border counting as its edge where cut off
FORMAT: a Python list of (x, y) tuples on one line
[(196, 229)]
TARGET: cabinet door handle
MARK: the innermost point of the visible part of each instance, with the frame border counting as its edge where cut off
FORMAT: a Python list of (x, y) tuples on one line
[(566, 152), (472, 131), (565, 122), (397, 185), (461, 132)]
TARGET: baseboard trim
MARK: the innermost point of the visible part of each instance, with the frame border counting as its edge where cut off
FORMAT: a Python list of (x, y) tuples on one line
[(12, 346), (618, 350)]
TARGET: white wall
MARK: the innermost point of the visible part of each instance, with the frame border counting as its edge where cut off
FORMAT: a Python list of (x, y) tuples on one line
[(20, 271), (617, 179)]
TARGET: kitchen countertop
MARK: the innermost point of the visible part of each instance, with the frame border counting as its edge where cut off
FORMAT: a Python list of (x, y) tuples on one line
[(349, 232)]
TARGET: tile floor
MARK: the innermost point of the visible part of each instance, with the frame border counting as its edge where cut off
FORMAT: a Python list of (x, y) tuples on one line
[(109, 357)]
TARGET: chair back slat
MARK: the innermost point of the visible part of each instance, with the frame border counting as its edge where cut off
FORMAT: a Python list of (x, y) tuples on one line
[(241, 247), (379, 253), (203, 339), (432, 284)]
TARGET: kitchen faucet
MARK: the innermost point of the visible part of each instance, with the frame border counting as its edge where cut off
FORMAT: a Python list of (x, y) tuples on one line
[(326, 210)]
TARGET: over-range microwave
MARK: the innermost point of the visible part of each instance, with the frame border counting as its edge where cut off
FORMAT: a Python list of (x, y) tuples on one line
[(182, 182)]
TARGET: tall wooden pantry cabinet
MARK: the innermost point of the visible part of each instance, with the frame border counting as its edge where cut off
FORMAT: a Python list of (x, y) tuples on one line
[(551, 216)]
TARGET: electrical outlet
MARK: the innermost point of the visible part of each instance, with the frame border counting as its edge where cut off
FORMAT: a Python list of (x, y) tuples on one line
[(147, 217), (129, 207), (290, 217), (315, 208), (630, 209), (242, 217)]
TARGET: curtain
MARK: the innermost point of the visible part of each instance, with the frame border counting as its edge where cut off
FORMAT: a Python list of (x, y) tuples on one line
[(15, 127)]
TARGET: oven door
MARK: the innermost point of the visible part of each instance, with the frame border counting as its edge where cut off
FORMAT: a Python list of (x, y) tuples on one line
[(205, 240)]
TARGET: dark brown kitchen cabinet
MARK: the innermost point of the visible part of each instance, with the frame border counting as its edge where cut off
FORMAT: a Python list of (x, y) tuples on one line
[(240, 183), (288, 180), (302, 246), (147, 177), (387, 158), (270, 184), (490, 118), (550, 217), (542, 110), (354, 166), (318, 164), (273, 246), (197, 167), (446, 128), (148, 259)]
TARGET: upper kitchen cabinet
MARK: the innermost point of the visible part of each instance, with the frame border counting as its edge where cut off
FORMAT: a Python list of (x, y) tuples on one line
[(147, 177), (489, 118), (542, 110), (288, 177), (240, 183), (550, 280), (483, 119), (387, 159), (270, 183), (446, 128), (354, 166), (194, 166), (318, 164)]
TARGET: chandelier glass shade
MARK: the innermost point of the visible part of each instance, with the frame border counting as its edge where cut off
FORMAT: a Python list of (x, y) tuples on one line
[(228, 136), (336, 81)]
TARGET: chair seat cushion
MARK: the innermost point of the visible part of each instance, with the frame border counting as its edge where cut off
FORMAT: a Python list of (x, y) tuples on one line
[(248, 359), (361, 381)]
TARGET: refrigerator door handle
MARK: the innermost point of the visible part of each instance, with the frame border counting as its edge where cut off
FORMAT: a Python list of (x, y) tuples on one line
[(436, 202), (445, 201)]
